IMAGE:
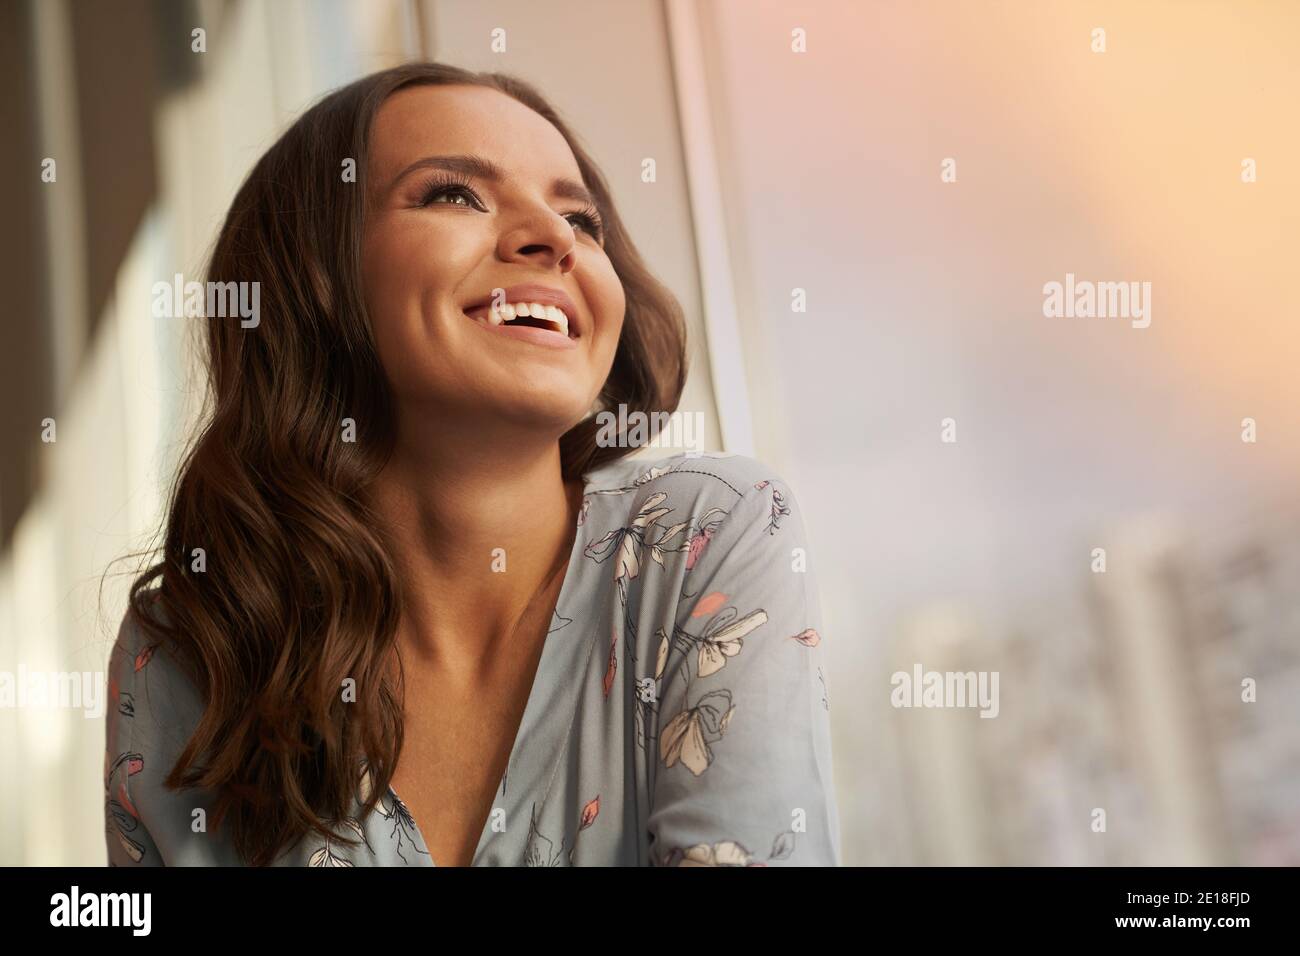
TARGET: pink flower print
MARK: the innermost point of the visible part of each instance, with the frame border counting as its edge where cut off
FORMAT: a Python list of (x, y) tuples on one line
[(589, 812), (133, 763), (709, 604), (696, 549), (808, 638), (611, 667), (709, 525)]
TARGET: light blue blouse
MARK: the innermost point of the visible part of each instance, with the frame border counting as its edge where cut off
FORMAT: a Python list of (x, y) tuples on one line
[(679, 714)]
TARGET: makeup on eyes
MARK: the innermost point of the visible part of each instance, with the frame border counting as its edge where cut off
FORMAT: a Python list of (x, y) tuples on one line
[(440, 184)]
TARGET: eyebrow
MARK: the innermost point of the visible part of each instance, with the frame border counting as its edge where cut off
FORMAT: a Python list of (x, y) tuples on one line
[(482, 168)]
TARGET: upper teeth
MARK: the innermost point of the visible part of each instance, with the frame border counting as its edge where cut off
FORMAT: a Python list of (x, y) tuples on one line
[(536, 310)]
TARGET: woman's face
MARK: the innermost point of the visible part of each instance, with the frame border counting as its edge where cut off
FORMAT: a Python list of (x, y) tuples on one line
[(438, 242)]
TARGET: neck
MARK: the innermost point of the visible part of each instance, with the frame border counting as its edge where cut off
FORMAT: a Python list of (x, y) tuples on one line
[(451, 517)]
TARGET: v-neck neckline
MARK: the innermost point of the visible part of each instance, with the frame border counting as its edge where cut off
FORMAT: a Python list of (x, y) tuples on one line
[(541, 675)]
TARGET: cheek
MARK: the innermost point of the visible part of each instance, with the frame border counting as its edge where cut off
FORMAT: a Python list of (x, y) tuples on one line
[(606, 344), (394, 272), (404, 270), (611, 336), (618, 317), (381, 283), (609, 303), (381, 292)]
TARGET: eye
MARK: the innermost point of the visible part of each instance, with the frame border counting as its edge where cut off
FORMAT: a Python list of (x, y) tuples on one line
[(589, 220), (462, 194), (436, 189)]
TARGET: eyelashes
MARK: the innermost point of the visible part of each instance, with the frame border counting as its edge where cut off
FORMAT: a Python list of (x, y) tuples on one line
[(451, 185), (446, 185), (591, 221)]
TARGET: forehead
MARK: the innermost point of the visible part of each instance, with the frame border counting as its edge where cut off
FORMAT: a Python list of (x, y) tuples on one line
[(421, 121)]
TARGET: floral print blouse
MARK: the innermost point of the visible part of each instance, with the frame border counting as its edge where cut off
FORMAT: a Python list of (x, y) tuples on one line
[(679, 715)]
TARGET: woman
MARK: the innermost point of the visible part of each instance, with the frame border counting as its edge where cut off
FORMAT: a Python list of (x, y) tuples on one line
[(399, 561)]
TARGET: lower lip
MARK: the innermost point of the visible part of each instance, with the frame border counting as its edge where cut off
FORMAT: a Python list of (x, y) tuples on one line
[(528, 333)]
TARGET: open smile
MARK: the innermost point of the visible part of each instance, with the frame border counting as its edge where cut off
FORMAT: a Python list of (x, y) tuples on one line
[(529, 313), (526, 329)]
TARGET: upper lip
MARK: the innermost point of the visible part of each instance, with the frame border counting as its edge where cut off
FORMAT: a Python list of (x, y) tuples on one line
[(546, 295)]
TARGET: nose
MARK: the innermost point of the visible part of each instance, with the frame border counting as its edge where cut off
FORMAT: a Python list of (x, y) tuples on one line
[(546, 239)]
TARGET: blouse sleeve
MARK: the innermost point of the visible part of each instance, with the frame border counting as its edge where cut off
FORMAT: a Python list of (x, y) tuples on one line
[(128, 841), (743, 770)]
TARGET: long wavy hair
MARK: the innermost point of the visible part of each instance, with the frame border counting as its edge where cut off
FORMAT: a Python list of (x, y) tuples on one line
[(299, 593)]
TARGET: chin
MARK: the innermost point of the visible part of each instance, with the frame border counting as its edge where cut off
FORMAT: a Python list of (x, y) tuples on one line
[(546, 412)]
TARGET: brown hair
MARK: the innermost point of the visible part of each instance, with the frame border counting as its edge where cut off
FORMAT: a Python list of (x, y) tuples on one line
[(299, 593)]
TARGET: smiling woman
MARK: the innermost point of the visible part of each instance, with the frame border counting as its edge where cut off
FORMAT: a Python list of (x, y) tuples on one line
[(386, 566)]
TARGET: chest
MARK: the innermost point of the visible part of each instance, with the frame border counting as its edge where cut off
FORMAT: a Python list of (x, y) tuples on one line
[(457, 747)]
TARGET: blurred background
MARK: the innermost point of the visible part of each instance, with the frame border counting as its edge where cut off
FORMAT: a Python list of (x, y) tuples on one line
[(858, 205)]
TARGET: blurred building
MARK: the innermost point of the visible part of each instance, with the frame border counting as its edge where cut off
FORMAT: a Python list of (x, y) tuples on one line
[(1126, 697)]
